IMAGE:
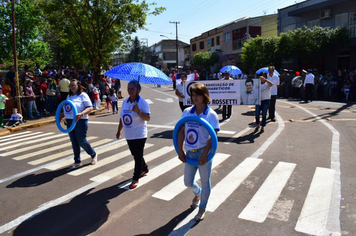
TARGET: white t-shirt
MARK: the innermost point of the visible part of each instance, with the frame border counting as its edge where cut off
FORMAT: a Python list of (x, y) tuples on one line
[(16, 117), (275, 80), (196, 136), (81, 101), (113, 97), (180, 88), (265, 92), (134, 126), (90, 87), (309, 79)]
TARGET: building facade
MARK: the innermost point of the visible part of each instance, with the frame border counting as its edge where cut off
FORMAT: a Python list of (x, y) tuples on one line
[(331, 13)]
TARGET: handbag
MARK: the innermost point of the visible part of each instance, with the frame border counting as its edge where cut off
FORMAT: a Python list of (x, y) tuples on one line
[(50, 93)]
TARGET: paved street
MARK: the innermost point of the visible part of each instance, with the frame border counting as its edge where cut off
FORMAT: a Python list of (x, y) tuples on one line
[(296, 178)]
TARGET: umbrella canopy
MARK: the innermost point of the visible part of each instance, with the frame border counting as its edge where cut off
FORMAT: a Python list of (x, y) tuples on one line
[(233, 70), (265, 70), (139, 71)]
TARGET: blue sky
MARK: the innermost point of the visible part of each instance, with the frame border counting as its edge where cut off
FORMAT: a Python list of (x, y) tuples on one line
[(199, 16)]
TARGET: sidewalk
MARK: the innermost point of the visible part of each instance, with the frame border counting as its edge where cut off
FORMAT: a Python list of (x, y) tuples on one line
[(39, 122)]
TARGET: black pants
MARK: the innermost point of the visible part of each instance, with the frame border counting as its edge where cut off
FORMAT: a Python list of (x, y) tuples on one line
[(226, 113), (64, 96), (309, 92), (182, 107), (272, 107), (136, 147)]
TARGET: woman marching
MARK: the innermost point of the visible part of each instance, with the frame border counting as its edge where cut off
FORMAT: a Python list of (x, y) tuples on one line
[(135, 113), (78, 136), (197, 146), (265, 99)]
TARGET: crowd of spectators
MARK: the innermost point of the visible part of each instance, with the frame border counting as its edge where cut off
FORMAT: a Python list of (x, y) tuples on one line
[(42, 90)]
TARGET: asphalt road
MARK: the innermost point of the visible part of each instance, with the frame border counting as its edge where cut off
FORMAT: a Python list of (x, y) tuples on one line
[(296, 178)]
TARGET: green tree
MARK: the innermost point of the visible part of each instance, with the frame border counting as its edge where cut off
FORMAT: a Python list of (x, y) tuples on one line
[(205, 58), (100, 26), (29, 33), (136, 52)]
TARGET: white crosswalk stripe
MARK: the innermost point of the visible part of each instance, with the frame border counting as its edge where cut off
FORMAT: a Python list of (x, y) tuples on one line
[(29, 148), (6, 137), (177, 186), (313, 216), (262, 202), (23, 138), (35, 140), (69, 151)]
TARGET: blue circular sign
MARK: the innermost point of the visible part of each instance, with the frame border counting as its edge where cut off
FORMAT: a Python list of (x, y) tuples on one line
[(207, 126), (127, 119), (66, 103)]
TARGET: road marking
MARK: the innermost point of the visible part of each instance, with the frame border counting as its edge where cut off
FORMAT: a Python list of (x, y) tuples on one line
[(263, 201), (46, 150), (26, 149), (67, 162), (149, 101), (2, 138), (67, 152), (314, 216), (33, 141), (167, 94), (105, 161), (333, 224), (185, 225), (22, 138), (168, 100), (177, 186), (155, 172), (239, 134), (46, 206), (231, 182), (271, 139), (128, 166)]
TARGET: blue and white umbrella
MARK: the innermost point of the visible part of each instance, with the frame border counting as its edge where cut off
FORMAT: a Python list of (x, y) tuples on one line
[(265, 70), (139, 71), (233, 70)]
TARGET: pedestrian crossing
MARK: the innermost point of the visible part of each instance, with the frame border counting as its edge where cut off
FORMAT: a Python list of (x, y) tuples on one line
[(54, 147)]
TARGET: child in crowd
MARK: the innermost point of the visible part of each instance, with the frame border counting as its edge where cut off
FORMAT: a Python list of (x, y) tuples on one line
[(96, 99), (15, 119), (3, 99), (107, 98), (113, 99)]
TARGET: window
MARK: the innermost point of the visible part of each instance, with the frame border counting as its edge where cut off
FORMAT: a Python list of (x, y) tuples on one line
[(194, 47), (212, 42), (169, 56), (288, 27), (218, 40), (201, 45), (227, 37), (340, 20), (312, 23), (352, 24)]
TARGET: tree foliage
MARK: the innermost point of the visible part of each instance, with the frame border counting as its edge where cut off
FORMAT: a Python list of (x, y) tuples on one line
[(96, 28), (309, 44), (136, 52), (29, 33), (205, 58)]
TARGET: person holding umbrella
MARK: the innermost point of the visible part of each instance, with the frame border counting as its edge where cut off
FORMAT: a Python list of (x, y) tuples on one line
[(135, 113)]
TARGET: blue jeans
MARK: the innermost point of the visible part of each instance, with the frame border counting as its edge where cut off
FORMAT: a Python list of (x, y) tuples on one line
[(32, 105), (205, 172), (50, 103), (114, 106), (263, 107), (78, 137)]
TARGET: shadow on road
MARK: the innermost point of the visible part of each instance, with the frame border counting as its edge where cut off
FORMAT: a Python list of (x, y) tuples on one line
[(169, 227), (33, 180), (333, 113), (165, 134), (248, 138), (83, 215)]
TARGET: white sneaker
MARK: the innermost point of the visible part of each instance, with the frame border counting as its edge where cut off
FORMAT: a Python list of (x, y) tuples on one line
[(75, 165), (94, 160)]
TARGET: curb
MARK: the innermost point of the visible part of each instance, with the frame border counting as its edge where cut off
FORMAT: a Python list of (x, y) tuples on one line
[(41, 123)]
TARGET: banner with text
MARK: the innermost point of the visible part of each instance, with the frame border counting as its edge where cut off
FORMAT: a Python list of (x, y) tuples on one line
[(228, 92)]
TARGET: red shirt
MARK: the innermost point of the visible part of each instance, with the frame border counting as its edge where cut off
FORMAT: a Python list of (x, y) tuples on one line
[(43, 88)]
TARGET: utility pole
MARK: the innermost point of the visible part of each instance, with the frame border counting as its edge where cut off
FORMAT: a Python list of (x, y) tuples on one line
[(175, 22)]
